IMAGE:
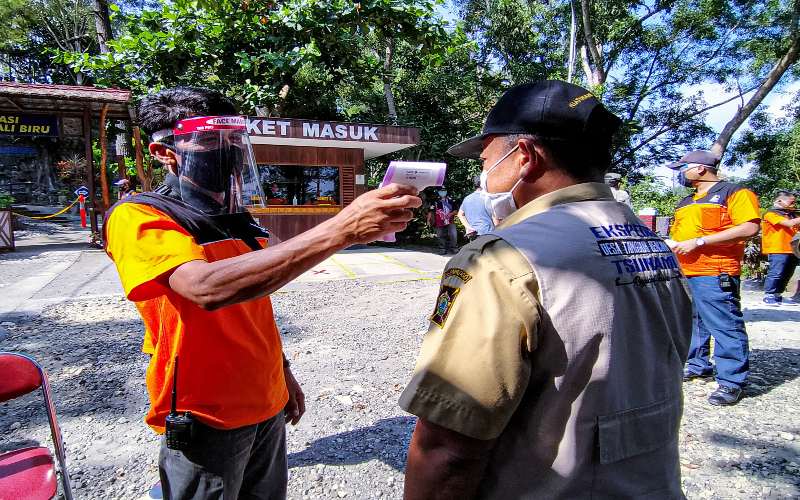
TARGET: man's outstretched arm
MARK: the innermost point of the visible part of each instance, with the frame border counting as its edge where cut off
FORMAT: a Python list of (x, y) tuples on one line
[(444, 464), (212, 285)]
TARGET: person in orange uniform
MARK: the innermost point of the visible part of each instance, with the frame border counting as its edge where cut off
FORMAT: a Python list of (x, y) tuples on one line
[(778, 227), (709, 231), (197, 266)]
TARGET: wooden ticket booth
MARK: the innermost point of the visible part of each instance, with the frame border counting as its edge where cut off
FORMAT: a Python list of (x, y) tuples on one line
[(309, 170)]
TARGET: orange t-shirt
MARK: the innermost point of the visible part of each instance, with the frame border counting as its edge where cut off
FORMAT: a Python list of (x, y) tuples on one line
[(724, 206), (776, 238), (231, 362)]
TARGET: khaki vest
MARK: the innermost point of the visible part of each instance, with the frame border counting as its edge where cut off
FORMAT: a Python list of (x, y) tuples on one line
[(601, 414)]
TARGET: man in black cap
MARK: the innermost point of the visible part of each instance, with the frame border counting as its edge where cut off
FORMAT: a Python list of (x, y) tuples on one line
[(552, 364), (710, 229)]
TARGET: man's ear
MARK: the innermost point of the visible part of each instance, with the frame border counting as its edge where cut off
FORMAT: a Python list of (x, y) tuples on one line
[(532, 160), (165, 155)]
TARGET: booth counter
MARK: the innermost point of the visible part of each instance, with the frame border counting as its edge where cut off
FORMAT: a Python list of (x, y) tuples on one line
[(309, 170)]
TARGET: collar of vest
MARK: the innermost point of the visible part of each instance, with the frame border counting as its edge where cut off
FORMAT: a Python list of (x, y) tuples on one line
[(585, 191), (722, 188), (782, 212)]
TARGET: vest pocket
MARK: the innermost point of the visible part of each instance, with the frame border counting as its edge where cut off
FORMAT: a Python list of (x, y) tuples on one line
[(629, 433), (711, 216)]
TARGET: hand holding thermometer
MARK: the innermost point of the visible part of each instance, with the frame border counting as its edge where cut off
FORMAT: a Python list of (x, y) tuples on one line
[(420, 174)]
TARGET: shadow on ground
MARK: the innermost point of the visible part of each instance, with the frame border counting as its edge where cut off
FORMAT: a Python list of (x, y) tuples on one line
[(766, 458), (386, 440), (772, 314), (95, 367), (32, 251), (770, 369)]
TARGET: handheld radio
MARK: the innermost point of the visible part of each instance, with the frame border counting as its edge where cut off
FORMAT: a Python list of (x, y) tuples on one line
[(178, 427)]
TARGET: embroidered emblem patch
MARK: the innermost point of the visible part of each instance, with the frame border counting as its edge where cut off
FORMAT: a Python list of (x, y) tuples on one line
[(447, 295), (457, 273)]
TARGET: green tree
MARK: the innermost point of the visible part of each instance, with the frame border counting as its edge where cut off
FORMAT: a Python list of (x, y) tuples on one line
[(33, 30), (772, 149), (770, 51), (521, 40), (277, 59), (650, 192)]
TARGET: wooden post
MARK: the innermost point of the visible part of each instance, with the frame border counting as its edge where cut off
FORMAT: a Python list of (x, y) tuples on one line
[(137, 145), (122, 149), (87, 139), (123, 169), (104, 159)]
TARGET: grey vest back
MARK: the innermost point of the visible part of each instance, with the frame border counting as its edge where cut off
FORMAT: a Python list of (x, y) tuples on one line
[(601, 413)]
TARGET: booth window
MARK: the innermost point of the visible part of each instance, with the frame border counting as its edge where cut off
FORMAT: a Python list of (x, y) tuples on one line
[(296, 185)]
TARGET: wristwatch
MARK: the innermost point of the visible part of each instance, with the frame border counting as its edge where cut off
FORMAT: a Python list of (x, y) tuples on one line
[(700, 242)]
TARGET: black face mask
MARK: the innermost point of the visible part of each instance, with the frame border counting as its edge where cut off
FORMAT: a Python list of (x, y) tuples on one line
[(210, 175)]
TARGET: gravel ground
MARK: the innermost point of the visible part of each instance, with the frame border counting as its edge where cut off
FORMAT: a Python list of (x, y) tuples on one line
[(352, 346)]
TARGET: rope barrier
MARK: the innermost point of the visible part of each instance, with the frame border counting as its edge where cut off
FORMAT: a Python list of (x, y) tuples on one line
[(51, 215)]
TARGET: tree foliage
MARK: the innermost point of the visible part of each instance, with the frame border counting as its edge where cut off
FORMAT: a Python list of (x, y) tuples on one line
[(649, 192), (278, 58), (772, 149), (653, 62)]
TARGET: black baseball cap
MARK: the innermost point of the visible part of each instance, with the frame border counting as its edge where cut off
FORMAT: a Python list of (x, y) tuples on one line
[(550, 108), (700, 156)]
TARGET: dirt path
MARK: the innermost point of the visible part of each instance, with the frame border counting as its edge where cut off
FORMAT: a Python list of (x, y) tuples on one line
[(353, 345)]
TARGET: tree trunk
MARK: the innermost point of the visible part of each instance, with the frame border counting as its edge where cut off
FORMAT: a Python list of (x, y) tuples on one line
[(282, 96), (147, 181), (573, 41), (598, 75), (587, 68), (122, 147), (102, 23), (104, 158), (387, 81), (744, 112)]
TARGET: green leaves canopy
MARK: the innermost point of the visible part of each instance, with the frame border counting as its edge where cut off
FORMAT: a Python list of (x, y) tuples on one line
[(282, 58)]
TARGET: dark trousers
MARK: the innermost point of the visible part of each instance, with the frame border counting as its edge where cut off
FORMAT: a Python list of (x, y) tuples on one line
[(718, 314), (781, 269), (244, 463), (448, 238)]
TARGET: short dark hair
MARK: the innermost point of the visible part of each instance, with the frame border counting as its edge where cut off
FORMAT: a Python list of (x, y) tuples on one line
[(165, 108), (781, 193), (583, 162)]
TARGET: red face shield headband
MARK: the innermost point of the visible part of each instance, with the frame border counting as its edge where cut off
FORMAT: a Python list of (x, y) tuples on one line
[(210, 124)]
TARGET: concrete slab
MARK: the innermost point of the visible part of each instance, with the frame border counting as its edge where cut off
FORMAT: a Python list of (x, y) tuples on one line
[(51, 268), (373, 263)]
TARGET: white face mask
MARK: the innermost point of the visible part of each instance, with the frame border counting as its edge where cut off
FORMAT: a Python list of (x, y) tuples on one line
[(502, 204)]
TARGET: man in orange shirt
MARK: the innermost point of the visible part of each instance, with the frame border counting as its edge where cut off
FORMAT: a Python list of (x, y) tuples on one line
[(197, 266), (709, 232), (778, 227)]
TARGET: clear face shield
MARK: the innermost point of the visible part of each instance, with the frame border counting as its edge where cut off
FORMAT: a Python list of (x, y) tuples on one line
[(216, 165)]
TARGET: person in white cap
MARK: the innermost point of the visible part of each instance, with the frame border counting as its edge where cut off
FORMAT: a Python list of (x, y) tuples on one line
[(612, 180), (125, 188)]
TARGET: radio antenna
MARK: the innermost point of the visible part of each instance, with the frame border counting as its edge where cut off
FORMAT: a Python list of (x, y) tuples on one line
[(175, 386)]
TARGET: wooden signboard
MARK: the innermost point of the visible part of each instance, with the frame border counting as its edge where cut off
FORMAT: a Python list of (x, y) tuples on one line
[(22, 125)]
